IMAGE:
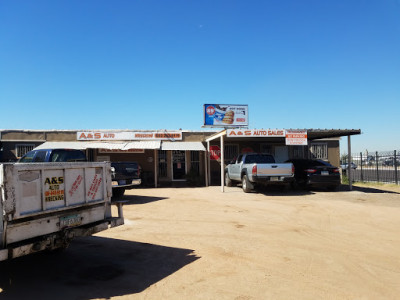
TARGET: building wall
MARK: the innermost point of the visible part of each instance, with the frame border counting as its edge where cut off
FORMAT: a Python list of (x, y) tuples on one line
[(10, 139), (22, 135)]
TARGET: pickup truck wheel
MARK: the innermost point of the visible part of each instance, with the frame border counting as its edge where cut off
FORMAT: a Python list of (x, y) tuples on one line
[(228, 181), (247, 186)]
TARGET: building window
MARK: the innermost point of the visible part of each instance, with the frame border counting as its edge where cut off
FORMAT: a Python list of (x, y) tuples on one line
[(22, 149), (231, 152), (195, 162), (319, 151), (162, 163), (298, 151)]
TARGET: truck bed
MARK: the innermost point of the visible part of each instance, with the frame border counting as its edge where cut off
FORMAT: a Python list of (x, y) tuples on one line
[(41, 199)]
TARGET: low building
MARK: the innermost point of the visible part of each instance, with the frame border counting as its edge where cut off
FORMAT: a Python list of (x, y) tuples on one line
[(176, 156)]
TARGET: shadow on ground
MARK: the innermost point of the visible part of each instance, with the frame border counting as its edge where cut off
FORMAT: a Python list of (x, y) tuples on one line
[(370, 190), (276, 191), (133, 199), (92, 267)]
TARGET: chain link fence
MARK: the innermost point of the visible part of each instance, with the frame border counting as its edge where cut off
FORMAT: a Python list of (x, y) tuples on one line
[(373, 166)]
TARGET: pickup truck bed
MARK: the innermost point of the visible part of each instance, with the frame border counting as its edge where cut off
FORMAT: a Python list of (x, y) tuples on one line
[(45, 205), (252, 169)]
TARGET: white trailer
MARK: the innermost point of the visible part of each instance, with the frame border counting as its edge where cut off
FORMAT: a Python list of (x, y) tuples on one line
[(43, 206)]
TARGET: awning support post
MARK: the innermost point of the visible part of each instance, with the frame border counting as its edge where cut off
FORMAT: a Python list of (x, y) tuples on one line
[(222, 164), (206, 164), (155, 167), (349, 163)]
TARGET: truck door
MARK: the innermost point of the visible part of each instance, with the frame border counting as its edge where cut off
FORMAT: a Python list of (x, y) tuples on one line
[(236, 168)]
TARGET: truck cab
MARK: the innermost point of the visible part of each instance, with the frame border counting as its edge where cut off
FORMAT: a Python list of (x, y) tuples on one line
[(53, 155)]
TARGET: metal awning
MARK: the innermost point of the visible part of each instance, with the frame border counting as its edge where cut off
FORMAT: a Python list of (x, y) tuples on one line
[(183, 146), (142, 145), (101, 145), (78, 145), (312, 134)]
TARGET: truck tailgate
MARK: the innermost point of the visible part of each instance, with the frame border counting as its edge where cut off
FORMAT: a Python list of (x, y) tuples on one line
[(34, 189), (279, 169)]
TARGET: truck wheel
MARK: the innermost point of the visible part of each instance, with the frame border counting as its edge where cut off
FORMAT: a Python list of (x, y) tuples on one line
[(118, 193), (228, 181), (247, 186)]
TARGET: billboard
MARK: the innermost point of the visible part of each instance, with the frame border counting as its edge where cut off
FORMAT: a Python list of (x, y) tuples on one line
[(226, 115)]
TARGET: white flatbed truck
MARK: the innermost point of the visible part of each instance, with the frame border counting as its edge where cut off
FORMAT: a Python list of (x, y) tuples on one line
[(43, 206)]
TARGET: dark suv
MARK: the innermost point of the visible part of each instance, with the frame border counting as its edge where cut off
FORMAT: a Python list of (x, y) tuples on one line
[(125, 175), (53, 155)]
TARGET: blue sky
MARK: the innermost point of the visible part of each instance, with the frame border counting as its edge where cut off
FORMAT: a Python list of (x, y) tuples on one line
[(143, 64)]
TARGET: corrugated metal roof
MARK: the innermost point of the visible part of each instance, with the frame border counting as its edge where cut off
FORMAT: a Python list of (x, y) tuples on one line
[(61, 145), (142, 145), (101, 145), (105, 145), (80, 145), (183, 146)]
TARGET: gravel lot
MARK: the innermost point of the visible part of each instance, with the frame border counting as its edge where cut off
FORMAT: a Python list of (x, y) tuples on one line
[(199, 243)]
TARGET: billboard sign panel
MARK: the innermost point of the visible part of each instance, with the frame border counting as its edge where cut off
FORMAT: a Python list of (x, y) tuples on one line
[(226, 115)]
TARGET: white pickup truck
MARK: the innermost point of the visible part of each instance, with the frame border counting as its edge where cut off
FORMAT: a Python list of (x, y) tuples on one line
[(43, 206), (252, 168)]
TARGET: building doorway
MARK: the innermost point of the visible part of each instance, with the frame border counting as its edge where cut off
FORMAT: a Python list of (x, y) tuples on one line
[(178, 165)]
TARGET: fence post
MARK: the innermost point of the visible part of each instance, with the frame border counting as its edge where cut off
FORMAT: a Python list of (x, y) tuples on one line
[(377, 167), (395, 168), (361, 167)]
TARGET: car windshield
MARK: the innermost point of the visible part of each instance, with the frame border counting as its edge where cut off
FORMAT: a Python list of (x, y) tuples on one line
[(28, 157), (67, 156)]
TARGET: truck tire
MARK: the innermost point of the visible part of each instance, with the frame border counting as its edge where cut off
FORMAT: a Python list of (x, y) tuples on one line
[(117, 193), (247, 186), (228, 181)]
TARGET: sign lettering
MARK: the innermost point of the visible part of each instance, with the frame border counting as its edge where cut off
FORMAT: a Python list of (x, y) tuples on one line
[(127, 135), (256, 133)]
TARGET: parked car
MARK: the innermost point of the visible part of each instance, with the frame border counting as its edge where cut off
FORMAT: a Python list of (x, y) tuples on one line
[(346, 166), (125, 175), (315, 173), (390, 161)]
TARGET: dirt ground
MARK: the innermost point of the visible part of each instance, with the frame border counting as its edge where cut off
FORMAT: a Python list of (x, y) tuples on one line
[(199, 243)]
